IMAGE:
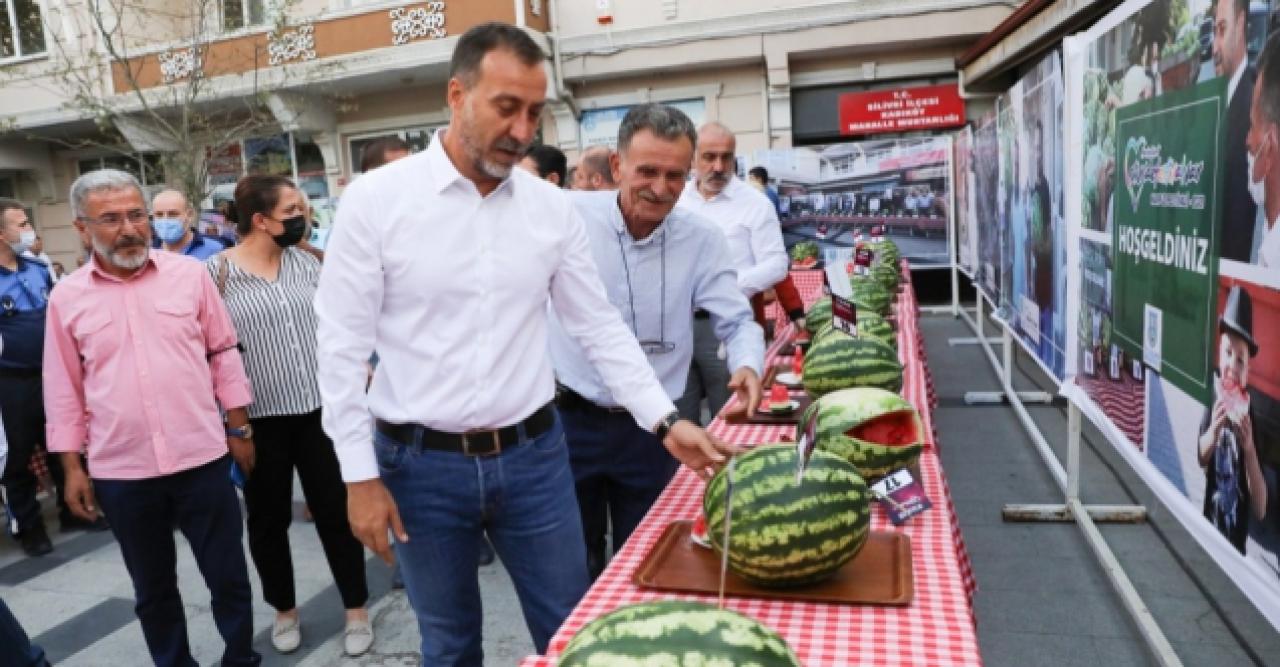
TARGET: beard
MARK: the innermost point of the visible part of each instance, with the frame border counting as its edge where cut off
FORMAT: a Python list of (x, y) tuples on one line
[(715, 181), (116, 256), (476, 150)]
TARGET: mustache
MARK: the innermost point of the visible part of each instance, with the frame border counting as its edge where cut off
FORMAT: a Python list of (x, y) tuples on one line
[(717, 176), (510, 145), (129, 242), (653, 198)]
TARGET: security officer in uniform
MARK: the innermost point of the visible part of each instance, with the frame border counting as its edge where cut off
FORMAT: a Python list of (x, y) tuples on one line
[(24, 294)]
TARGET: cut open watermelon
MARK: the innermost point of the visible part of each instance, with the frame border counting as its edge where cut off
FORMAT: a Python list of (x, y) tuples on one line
[(895, 429)]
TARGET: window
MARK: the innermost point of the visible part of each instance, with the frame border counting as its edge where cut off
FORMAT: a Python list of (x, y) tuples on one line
[(146, 167), (21, 29), (418, 139), (237, 14)]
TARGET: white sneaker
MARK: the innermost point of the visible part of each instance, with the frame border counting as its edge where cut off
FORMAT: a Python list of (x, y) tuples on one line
[(358, 637), (286, 634)]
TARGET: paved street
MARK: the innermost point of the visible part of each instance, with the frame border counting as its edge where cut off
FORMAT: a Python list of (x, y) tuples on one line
[(78, 604)]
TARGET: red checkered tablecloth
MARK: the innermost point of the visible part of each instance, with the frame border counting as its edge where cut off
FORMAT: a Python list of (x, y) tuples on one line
[(808, 283), (937, 628)]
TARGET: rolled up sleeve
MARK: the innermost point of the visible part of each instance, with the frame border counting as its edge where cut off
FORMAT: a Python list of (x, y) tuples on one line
[(579, 300), (64, 406)]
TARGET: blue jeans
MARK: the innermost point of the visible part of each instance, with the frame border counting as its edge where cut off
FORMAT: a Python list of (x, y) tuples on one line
[(18, 650), (523, 498), (202, 503), (619, 469)]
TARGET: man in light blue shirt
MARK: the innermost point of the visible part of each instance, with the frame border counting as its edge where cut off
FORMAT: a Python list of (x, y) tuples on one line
[(658, 264)]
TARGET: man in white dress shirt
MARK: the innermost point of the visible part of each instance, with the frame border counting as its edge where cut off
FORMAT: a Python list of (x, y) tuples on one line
[(750, 224), (445, 262), (657, 264)]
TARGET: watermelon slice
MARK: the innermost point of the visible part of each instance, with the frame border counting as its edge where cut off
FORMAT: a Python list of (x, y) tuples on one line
[(895, 429)]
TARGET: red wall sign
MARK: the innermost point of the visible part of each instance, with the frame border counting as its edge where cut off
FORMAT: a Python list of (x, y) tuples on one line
[(902, 110)]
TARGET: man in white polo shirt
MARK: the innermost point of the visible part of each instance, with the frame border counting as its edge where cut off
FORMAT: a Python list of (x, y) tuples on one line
[(750, 224)]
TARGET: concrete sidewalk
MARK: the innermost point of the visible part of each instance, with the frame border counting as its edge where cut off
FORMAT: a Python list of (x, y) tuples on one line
[(1043, 599)]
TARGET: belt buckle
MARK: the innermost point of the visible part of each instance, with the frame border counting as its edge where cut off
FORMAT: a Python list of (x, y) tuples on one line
[(495, 443)]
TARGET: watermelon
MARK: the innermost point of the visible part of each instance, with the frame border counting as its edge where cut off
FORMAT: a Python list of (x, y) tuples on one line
[(676, 633), (819, 315), (887, 275), (840, 361), (804, 250), (871, 296), (869, 324), (875, 430), (786, 534)]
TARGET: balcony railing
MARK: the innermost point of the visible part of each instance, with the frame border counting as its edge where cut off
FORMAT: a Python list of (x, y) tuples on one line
[(327, 36)]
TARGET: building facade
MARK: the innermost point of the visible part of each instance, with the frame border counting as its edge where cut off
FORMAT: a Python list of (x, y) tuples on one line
[(325, 77)]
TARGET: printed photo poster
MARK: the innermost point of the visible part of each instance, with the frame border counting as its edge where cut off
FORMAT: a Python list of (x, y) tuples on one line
[(833, 195), (986, 195), (1031, 169), (965, 214), (1178, 292)]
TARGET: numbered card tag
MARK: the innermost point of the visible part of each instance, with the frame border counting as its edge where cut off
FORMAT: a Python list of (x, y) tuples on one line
[(844, 315), (902, 496), (805, 445), (864, 257)]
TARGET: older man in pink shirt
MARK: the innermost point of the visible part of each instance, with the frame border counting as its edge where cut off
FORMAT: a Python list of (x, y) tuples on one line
[(139, 353)]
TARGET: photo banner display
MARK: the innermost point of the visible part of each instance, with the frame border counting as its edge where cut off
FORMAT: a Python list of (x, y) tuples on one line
[(1033, 244), (966, 230), (1175, 304), (832, 195), (986, 170)]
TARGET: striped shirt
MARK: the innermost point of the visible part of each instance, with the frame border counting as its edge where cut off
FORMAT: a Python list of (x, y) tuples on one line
[(276, 323)]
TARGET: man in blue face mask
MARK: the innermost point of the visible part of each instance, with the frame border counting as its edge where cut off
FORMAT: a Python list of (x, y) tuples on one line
[(172, 217)]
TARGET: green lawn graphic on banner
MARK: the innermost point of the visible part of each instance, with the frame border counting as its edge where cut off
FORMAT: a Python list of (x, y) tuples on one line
[(1165, 238)]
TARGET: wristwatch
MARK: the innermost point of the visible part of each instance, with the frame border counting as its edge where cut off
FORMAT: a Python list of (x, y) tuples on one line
[(665, 424), (244, 432)]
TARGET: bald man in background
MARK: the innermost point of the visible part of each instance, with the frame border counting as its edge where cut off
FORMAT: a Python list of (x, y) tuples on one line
[(750, 224), (593, 171)]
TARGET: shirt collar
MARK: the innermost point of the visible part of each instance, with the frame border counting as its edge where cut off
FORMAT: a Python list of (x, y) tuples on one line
[(444, 173), (1235, 78), (620, 226)]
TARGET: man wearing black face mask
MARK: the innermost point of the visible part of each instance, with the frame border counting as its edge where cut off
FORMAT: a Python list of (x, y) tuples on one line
[(269, 284)]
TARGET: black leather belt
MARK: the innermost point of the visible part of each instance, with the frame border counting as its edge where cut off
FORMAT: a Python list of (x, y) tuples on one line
[(479, 442), (701, 314), (568, 399), (19, 372)]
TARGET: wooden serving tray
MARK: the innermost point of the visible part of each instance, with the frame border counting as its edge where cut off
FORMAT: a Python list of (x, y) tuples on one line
[(792, 417), (880, 574)]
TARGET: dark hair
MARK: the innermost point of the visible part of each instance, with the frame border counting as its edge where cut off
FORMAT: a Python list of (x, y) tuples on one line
[(760, 173), (550, 160), (1269, 74), (374, 154), (255, 193), (7, 204), (666, 123), (477, 42)]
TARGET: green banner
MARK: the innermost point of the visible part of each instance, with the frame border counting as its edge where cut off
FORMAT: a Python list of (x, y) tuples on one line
[(1165, 236)]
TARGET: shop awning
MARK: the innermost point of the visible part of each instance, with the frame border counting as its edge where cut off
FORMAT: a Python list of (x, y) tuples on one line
[(1035, 27)]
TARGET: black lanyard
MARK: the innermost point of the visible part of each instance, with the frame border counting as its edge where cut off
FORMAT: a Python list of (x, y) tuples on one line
[(649, 346)]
